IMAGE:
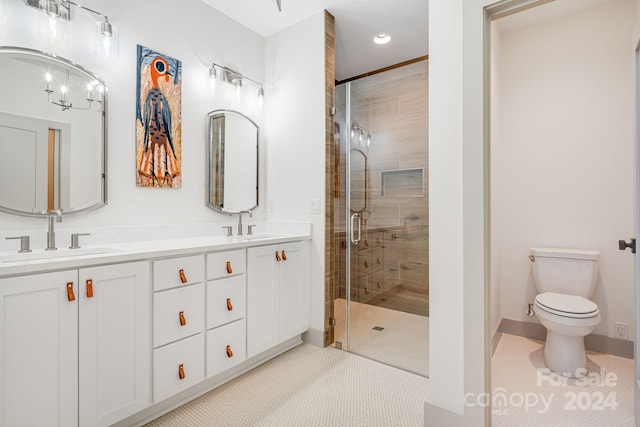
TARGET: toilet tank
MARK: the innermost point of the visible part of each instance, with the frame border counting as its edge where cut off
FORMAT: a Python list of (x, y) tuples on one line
[(566, 271)]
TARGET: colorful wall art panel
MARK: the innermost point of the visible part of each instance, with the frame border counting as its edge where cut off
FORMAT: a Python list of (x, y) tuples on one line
[(158, 120)]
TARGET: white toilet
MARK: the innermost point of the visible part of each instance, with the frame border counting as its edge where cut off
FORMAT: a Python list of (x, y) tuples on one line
[(566, 279)]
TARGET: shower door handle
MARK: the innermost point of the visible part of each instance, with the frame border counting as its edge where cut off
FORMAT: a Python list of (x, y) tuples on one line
[(354, 217)]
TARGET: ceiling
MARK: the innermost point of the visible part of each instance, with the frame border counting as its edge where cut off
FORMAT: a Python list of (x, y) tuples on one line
[(357, 22)]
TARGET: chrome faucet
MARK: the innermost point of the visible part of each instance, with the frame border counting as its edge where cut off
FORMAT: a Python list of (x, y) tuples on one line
[(240, 220), (51, 235)]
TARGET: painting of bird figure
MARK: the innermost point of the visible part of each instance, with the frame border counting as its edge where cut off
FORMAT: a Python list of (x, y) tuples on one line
[(158, 120)]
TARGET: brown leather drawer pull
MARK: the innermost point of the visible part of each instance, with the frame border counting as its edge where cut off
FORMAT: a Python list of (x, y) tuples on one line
[(229, 269), (278, 257), (183, 277), (70, 295), (229, 352), (89, 288), (229, 305), (284, 255), (181, 374), (183, 321)]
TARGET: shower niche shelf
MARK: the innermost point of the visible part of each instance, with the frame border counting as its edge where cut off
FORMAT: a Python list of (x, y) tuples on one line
[(403, 183)]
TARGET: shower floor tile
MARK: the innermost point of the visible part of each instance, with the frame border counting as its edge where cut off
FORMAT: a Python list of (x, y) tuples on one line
[(403, 343)]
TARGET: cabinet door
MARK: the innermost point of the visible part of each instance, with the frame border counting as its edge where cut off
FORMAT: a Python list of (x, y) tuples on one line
[(38, 361), (294, 289), (115, 345), (263, 299)]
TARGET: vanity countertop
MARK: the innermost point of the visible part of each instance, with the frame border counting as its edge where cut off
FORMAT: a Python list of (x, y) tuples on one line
[(14, 263)]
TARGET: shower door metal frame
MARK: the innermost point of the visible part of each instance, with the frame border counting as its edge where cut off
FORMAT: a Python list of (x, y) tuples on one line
[(347, 213)]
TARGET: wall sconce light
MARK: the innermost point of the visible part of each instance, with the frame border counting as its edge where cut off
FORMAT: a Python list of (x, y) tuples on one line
[(364, 136), (60, 10), (234, 78), (64, 100)]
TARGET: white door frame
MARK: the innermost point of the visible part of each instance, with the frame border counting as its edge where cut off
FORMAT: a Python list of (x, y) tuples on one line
[(636, 277)]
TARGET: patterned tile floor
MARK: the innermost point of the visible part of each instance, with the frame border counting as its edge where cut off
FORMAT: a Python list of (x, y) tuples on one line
[(327, 387), (309, 386), (525, 393)]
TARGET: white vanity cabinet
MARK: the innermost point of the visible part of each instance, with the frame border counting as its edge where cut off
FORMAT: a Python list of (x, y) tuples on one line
[(116, 339), (75, 346), (277, 294)]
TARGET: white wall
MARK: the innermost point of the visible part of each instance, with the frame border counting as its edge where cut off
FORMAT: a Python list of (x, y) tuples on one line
[(445, 201), (459, 323), (563, 153), (190, 31), (295, 105)]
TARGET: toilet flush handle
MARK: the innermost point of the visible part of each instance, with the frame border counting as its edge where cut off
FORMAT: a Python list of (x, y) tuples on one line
[(532, 258), (622, 245)]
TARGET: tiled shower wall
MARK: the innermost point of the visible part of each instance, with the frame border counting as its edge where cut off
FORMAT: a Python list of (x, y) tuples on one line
[(393, 269)]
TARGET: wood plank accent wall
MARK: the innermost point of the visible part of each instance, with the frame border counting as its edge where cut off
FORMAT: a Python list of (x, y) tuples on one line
[(329, 253)]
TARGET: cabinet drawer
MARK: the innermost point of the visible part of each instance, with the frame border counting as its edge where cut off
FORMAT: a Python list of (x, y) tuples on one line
[(183, 357), (219, 357), (226, 300), (225, 264), (177, 313), (364, 263), (175, 272)]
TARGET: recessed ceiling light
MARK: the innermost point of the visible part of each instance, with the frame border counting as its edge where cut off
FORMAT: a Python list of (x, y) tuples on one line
[(382, 39)]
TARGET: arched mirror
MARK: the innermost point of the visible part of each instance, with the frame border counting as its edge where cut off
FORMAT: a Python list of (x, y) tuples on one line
[(358, 180), (52, 134), (232, 162)]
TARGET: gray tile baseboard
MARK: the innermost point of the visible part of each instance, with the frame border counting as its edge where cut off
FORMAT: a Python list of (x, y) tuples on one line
[(592, 342)]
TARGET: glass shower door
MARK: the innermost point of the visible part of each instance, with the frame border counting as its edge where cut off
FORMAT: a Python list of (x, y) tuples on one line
[(381, 289)]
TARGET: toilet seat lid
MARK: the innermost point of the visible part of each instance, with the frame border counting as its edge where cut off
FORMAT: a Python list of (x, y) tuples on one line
[(567, 305)]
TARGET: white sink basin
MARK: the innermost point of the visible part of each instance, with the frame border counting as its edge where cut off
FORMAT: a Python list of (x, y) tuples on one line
[(258, 236), (57, 254)]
